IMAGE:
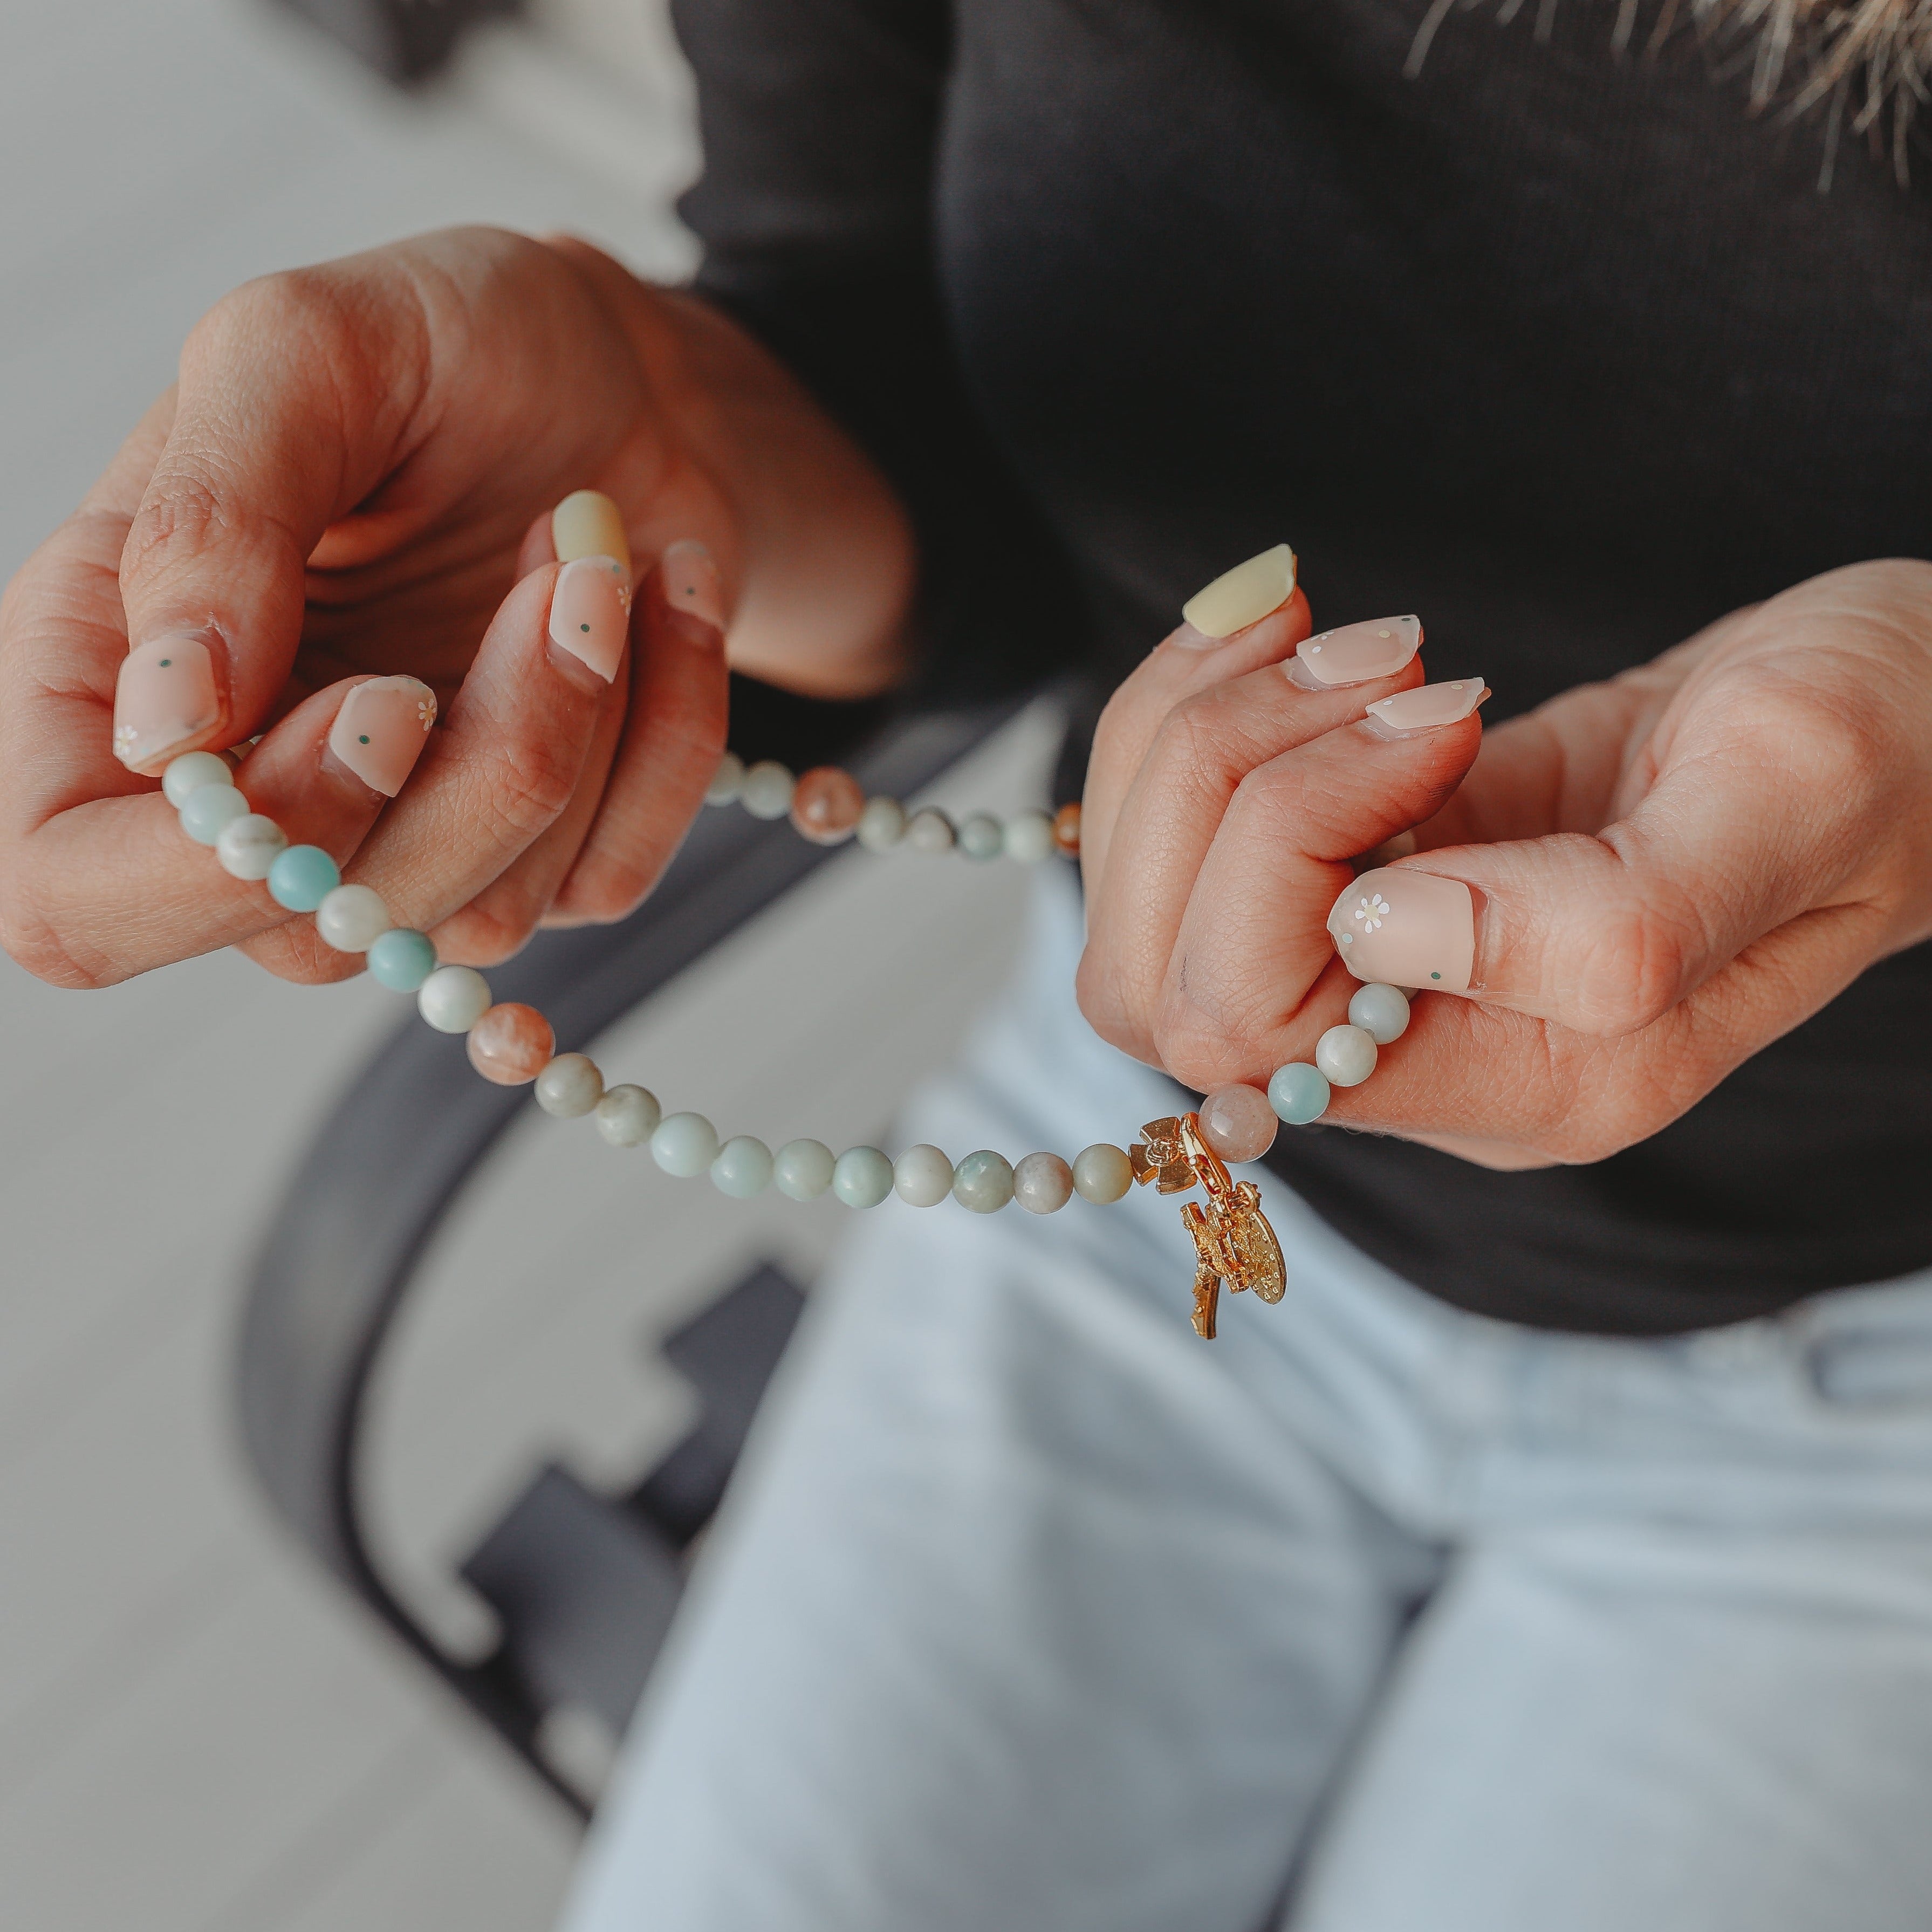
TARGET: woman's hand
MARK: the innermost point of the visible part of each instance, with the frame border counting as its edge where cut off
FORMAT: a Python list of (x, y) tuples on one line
[(355, 470), (1667, 871)]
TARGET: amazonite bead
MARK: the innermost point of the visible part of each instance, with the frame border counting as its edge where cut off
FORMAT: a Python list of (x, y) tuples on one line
[(1029, 837), (1346, 1055), (1382, 1011), (1043, 1183), (1299, 1093), (766, 790), (981, 836), (727, 781), (1102, 1173), (684, 1144), (570, 1086), (922, 1177), (743, 1168), (882, 824), (248, 846), (628, 1116), (302, 877), (929, 830), (803, 1169), (190, 772), (401, 958), (862, 1177), (206, 811), (983, 1182), (453, 998), (352, 918)]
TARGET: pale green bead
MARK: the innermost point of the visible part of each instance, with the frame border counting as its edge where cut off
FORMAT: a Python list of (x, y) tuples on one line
[(882, 824), (1346, 1055), (1029, 837), (766, 790), (929, 830), (1299, 1093), (803, 1169), (206, 810), (743, 1168), (570, 1086), (301, 877), (191, 771), (401, 959), (862, 1177), (983, 1182), (628, 1116), (728, 782), (684, 1144), (981, 836), (922, 1177), (1380, 1011), (1102, 1173), (1043, 1183)]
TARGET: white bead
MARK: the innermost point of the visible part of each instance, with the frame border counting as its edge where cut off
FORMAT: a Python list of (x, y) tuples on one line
[(249, 845), (1381, 1010), (743, 1168), (882, 824), (569, 1086), (728, 782), (767, 789), (922, 1177), (929, 830), (803, 1169), (628, 1116), (453, 998), (190, 773), (684, 1144), (1029, 837), (352, 918), (1346, 1055)]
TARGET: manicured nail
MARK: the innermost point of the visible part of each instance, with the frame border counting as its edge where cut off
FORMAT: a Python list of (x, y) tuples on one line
[(1242, 596), (1407, 928), (381, 730), (588, 616), (164, 698), (587, 524), (1427, 708), (691, 582), (1355, 653)]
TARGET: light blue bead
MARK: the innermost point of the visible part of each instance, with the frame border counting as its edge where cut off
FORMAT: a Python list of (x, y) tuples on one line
[(982, 836), (743, 1168), (862, 1177), (302, 877), (401, 959), (684, 1144), (803, 1169), (206, 810), (1299, 1093), (1379, 1011), (983, 1182)]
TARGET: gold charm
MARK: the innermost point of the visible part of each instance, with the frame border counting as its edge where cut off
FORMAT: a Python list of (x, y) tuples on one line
[(1232, 1239)]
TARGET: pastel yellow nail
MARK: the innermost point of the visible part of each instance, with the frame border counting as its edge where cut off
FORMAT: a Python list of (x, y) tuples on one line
[(587, 524), (1244, 595)]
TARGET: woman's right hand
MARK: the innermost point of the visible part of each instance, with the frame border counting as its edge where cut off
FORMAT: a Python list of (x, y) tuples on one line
[(352, 479)]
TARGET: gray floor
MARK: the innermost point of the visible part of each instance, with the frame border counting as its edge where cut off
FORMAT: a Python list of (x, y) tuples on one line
[(196, 1735)]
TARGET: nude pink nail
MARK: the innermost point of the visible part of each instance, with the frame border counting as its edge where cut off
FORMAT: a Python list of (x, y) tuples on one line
[(588, 613), (1355, 653), (691, 582), (1427, 708), (381, 730), (164, 699), (1407, 928)]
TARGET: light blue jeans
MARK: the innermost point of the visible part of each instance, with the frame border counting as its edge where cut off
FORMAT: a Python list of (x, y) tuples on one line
[(1030, 1612)]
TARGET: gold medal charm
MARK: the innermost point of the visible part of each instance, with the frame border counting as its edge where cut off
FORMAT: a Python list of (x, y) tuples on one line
[(1232, 1238)]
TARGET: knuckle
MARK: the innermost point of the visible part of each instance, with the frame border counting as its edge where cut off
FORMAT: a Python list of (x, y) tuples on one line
[(1100, 996), (1636, 969), (495, 925), (529, 784)]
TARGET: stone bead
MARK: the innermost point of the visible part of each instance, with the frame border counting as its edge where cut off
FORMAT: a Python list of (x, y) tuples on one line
[(453, 998), (511, 1044), (743, 1168), (922, 1177), (767, 789), (628, 1116), (727, 781), (1043, 1183), (862, 1177), (1346, 1055), (983, 1182), (826, 805), (402, 958), (929, 830), (1028, 837), (684, 1144), (302, 876), (1066, 829), (1381, 1011), (352, 918), (1237, 1123), (1102, 1173), (249, 846), (207, 811), (570, 1087), (981, 836), (882, 824), (802, 1169), (191, 772), (1299, 1093)]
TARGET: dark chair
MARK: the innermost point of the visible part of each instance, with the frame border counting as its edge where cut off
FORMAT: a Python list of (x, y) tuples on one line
[(583, 1584)]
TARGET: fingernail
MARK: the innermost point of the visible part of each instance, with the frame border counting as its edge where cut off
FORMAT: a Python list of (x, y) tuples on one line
[(1407, 928), (1355, 653), (588, 523), (691, 582), (587, 615), (1242, 596), (380, 731), (164, 698), (1427, 708)]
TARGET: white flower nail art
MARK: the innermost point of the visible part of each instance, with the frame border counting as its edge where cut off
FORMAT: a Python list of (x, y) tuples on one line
[(426, 711), (1372, 911)]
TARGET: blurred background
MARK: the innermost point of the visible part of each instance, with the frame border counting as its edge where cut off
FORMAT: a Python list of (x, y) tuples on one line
[(200, 1730)]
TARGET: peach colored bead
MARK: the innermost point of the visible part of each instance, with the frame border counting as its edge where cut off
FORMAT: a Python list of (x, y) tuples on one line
[(1238, 1123), (1066, 829), (511, 1044), (826, 805)]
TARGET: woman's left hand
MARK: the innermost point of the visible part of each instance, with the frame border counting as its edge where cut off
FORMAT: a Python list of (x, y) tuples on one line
[(1668, 870)]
